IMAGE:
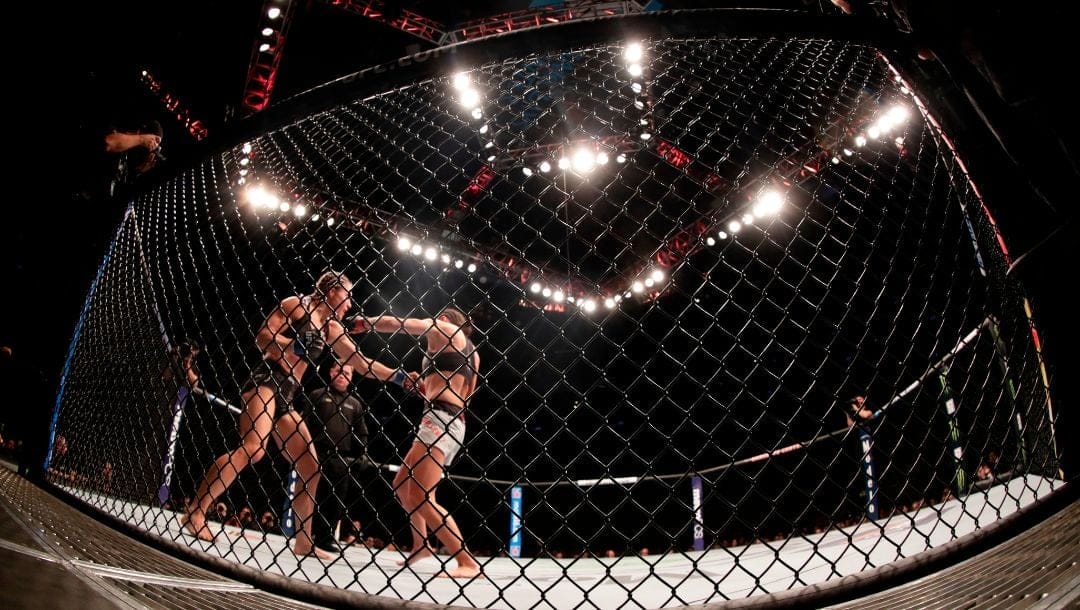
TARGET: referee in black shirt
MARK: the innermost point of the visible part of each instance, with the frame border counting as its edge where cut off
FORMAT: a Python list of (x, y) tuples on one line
[(338, 428)]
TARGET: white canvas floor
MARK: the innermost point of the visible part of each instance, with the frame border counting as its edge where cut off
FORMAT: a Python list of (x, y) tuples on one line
[(650, 582)]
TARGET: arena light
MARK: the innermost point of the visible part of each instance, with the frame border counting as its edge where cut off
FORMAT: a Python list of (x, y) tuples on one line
[(848, 152), (564, 163), (558, 296), (601, 158), (860, 141), (768, 204), (268, 32), (649, 282), (458, 264), (469, 98), (710, 241), (315, 217), (461, 81), (477, 113), (245, 161), (273, 13), (657, 275), (836, 160), (483, 129), (417, 249), (646, 135), (445, 258), (583, 161), (874, 132), (243, 172), (471, 267), (246, 148), (284, 207), (545, 167), (546, 292), (404, 243), (609, 303), (330, 221), (431, 254), (536, 288), (258, 197), (633, 52), (589, 305), (527, 171), (722, 235), (635, 87), (637, 287), (899, 113), (299, 210), (264, 47), (734, 226), (747, 219), (620, 159), (634, 70)]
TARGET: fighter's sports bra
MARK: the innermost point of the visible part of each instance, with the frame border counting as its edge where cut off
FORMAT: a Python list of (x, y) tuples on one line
[(451, 362)]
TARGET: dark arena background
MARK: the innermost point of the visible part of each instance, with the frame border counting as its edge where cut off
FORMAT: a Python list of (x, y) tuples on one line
[(768, 303)]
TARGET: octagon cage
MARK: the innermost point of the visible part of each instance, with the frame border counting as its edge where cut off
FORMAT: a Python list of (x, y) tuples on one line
[(740, 323)]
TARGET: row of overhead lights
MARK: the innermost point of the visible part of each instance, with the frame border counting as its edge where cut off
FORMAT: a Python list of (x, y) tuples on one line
[(890, 120), (581, 160), (432, 253), (270, 32)]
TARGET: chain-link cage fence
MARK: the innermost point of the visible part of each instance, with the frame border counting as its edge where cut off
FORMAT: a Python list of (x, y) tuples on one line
[(739, 323)]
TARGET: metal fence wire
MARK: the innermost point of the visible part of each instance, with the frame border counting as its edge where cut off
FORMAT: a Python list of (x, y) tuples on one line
[(730, 318)]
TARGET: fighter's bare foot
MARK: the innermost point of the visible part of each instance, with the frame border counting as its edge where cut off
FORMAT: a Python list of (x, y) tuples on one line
[(461, 572), (196, 526), (303, 551), (415, 556)]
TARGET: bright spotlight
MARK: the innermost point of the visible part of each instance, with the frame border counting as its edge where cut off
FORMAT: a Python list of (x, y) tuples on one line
[(246, 148), (315, 217), (458, 264), (527, 171), (404, 243), (646, 135), (461, 81), (634, 69), (657, 275), (445, 258), (545, 166), (477, 113), (873, 132), (284, 207), (330, 222), (471, 267), (710, 241), (748, 219), (264, 47), (635, 87), (546, 292), (769, 203), (300, 210), (245, 161), (558, 296), (273, 13), (268, 32), (898, 114), (734, 226), (649, 282), (564, 163), (633, 52), (722, 234), (637, 287), (416, 249), (589, 305), (836, 160), (620, 159), (430, 254), (601, 158), (848, 152), (144, 72), (489, 145), (483, 129), (609, 303), (257, 196), (469, 98), (860, 141), (243, 172), (899, 141), (583, 161), (535, 288)]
